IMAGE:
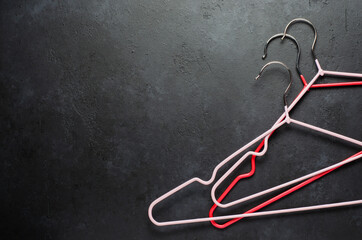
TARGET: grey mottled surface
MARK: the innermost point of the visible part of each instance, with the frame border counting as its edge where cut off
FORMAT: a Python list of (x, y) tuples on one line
[(106, 105)]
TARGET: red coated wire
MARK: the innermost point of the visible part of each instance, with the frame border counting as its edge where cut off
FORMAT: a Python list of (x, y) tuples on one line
[(336, 84), (303, 80), (252, 171), (322, 85)]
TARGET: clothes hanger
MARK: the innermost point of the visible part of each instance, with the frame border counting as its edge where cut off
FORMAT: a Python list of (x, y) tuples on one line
[(208, 182), (236, 153), (322, 72), (287, 120), (252, 171)]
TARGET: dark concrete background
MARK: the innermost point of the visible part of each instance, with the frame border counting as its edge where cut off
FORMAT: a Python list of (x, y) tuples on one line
[(106, 105)]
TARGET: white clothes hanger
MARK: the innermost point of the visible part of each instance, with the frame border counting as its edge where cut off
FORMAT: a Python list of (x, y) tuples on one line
[(207, 182)]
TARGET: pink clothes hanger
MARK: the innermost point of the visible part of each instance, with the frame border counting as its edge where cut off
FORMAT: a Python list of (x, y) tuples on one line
[(279, 123)]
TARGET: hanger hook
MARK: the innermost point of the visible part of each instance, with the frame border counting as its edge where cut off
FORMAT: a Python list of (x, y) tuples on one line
[(310, 24), (290, 78), (287, 36)]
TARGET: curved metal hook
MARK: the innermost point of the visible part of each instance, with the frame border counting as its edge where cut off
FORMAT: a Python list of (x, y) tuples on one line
[(287, 36), (310, 24), (290, 78)]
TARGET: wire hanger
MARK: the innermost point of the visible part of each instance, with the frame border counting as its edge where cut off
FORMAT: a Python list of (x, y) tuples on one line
[(276, 126), (252, 171), (207, 182), (322, 72)]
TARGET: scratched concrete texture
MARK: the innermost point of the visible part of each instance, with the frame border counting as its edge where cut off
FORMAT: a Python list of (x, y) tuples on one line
[(107, 105)]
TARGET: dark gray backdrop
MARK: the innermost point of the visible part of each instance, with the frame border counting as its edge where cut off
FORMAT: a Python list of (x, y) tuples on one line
[(106, 105)]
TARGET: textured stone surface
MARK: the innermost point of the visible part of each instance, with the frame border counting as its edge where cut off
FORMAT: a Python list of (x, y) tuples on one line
[(106, 105)]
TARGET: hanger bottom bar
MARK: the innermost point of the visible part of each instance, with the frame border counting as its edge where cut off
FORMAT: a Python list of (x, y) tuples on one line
[(265, 213)]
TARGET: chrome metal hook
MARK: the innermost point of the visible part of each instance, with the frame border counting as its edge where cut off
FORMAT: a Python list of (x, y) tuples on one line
[(290, 78), (281, 35), (310, 24)]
